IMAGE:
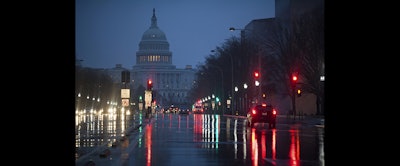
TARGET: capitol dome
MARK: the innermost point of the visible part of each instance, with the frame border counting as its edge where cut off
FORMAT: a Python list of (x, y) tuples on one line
[(154, 47), (154, 33)]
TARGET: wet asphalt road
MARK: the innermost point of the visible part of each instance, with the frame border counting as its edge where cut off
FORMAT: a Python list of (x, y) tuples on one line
[(206, 139)]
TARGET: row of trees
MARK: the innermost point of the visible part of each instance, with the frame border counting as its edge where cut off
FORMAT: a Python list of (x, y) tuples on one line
[(96, 85), (289, 47)]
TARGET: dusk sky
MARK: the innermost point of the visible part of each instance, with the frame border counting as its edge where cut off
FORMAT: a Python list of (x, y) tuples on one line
[(108, 32)]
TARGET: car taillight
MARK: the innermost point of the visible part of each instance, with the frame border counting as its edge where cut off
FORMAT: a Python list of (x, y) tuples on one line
[(254, 111), (274, 112)]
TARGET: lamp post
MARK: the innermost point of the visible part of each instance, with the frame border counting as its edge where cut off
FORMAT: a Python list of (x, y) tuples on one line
[(222, 82), (232, 99), (236, 90), (243, 42), (242, 33), (320, 110), (245, 97)]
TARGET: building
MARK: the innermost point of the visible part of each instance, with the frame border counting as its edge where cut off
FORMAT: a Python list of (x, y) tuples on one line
[(154, 62)]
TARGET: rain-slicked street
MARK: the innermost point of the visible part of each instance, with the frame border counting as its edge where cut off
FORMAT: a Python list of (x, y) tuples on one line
[(188, 83), (204, 139)]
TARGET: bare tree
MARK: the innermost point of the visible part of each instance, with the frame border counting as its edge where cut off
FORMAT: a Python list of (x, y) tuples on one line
[(298, 48), (283, 55), (310, 29)]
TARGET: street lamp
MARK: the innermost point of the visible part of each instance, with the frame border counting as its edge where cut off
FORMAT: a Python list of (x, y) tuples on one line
[(257, 73), (258, 70), (231, 107), (321, 97), (245, 86), (222, 76), (242, 33), (236, 90), (242, 37)]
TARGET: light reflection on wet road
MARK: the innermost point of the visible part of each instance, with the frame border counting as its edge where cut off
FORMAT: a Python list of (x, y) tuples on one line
[(205, 139)]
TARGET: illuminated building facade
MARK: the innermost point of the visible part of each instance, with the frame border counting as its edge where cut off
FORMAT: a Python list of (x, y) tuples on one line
[(154, 62)]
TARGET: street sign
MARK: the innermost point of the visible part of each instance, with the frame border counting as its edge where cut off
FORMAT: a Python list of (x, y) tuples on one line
[(125, 102), (125, 93), (147, 99)]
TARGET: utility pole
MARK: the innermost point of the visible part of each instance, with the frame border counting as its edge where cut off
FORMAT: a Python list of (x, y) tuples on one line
[(293, 83)]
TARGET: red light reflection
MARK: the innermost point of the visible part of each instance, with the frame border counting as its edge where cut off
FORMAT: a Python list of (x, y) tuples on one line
[(198, 127), (148, 144), (254, 147), (273, 144), (294, 152), (263, 145)]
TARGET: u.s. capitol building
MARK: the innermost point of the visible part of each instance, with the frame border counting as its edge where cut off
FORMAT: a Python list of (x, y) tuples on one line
[(154, 62)]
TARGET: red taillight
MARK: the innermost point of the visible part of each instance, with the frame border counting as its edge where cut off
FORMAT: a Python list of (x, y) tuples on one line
[(274, 112), (254, 111)]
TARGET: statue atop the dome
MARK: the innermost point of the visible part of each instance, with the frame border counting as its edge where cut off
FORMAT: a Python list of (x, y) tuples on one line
[(154, 19)]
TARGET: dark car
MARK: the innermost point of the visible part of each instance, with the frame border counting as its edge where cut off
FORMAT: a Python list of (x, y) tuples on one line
[(198, 109), (173, 109), (262, 114), (184, 111)]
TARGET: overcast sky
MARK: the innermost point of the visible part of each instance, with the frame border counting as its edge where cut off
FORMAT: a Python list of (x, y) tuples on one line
[(108, 32)]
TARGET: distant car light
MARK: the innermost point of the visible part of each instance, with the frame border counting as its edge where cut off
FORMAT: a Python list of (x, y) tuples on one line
[(274, 112), (254, 111)]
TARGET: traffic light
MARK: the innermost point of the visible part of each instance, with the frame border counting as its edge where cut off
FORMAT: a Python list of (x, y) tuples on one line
[(125, 76), (149, 85), (298, 92), (256, 75), (294, 78)]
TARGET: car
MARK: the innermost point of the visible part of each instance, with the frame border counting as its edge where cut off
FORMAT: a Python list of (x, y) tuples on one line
[(198, 109), (184, 111), (263, 113), (173, 109)]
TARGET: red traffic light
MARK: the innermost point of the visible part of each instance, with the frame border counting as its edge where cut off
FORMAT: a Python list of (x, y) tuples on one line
[(294, 78), (256, 74), (149, 85)]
